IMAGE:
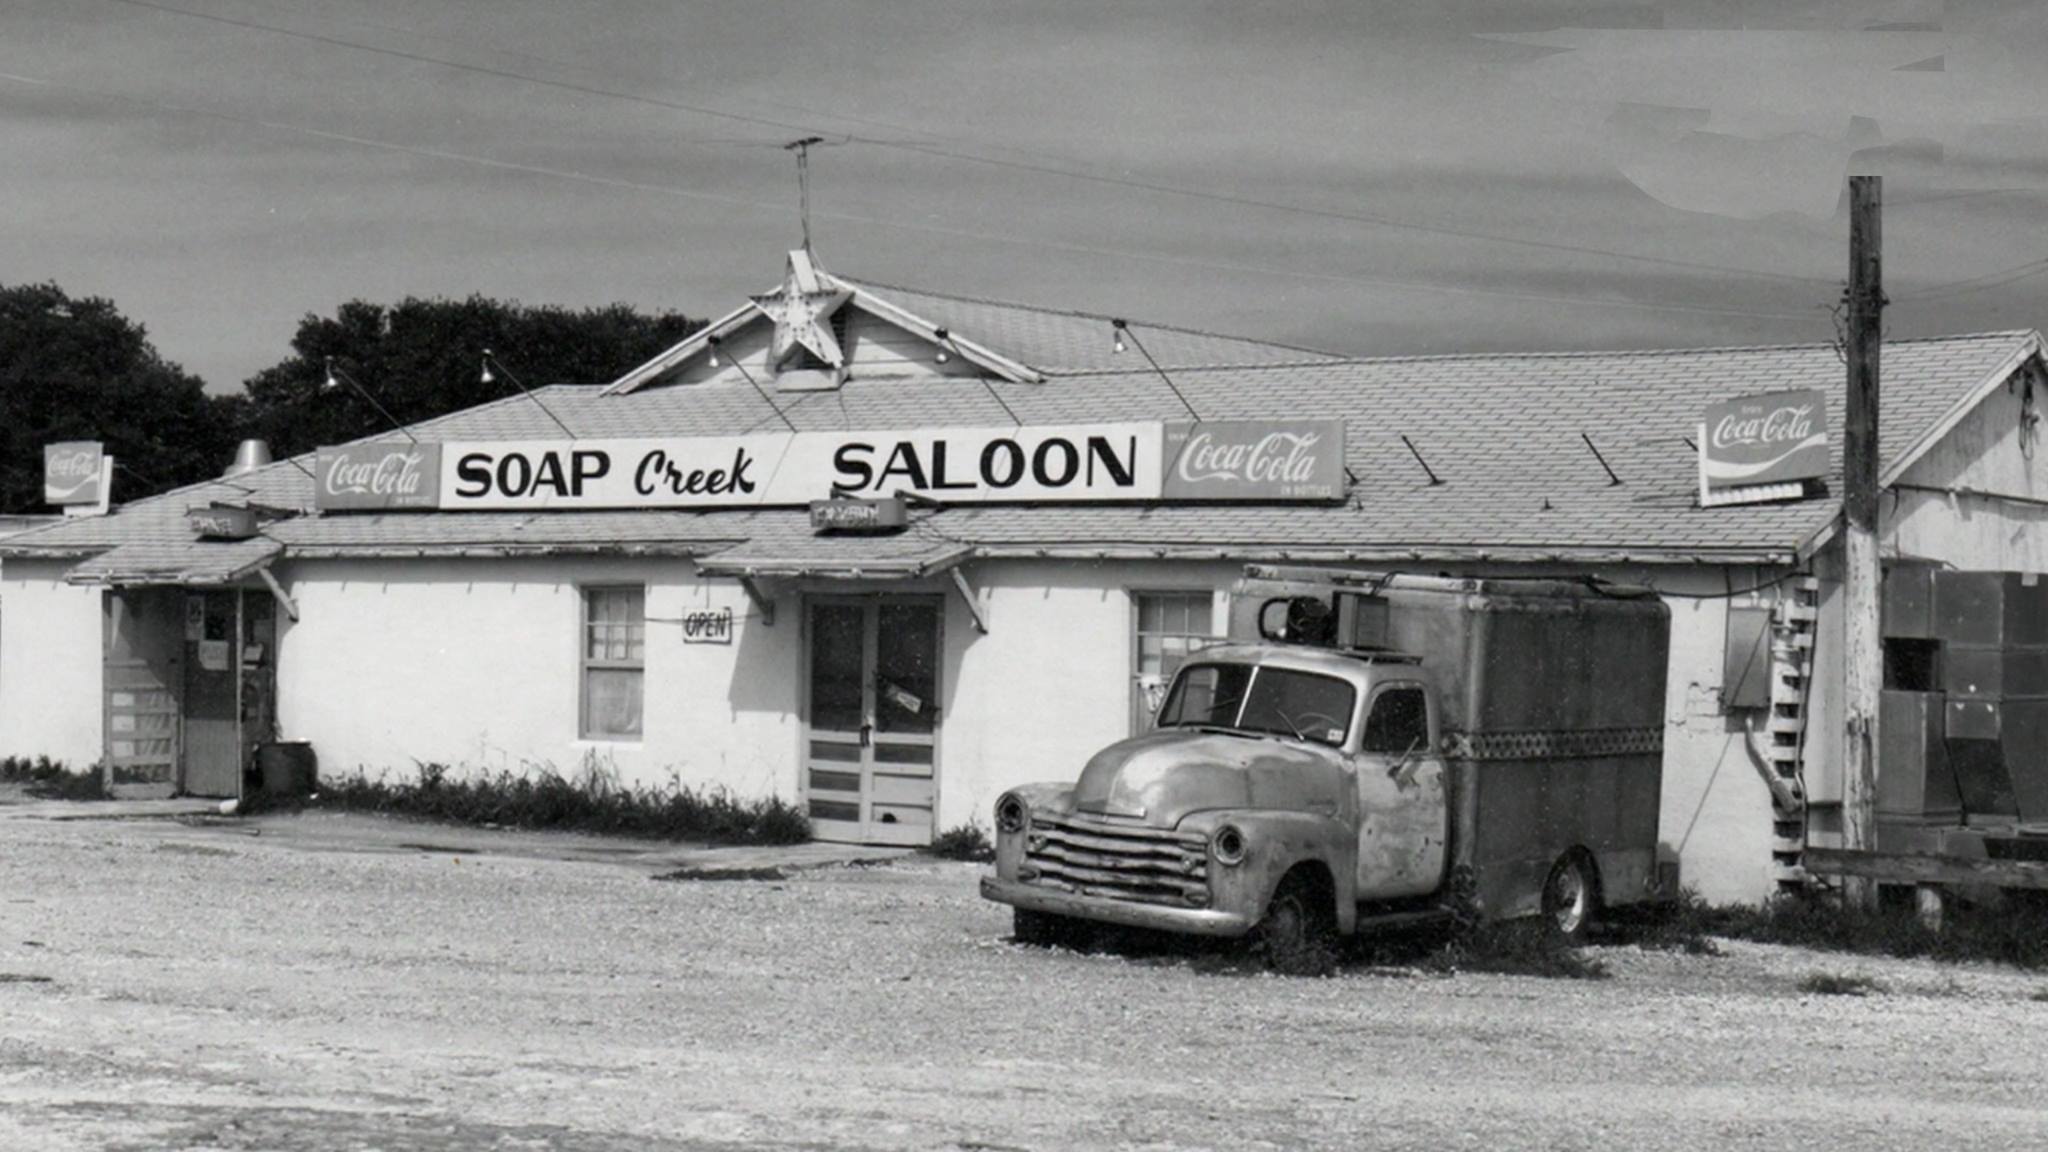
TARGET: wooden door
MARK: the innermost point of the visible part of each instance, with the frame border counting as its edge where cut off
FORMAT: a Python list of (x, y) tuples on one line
[(213, 726), (871, 739), (141, 678)]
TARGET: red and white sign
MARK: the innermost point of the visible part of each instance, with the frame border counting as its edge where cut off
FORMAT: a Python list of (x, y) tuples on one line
[(1763, 447), (72, 472), (1261, 460), (380, 476)]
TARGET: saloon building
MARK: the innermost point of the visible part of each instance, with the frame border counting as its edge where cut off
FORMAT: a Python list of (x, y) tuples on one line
[(1040, 514)]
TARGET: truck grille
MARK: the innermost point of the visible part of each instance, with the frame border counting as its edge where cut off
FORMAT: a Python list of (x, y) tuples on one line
[(1093, 856)]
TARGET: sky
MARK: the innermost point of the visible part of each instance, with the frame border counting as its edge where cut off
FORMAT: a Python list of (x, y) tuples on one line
[(1365, 178)]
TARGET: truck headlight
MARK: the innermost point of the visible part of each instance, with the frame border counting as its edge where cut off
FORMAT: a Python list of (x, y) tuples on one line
[(1012, 813), (1227, 845)]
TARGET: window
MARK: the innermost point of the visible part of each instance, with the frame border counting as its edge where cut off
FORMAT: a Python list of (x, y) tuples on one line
[(1398, 724), (1170, 626), (614, 662)]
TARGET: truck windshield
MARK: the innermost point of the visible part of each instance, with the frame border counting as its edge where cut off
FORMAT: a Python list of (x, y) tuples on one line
[(1255, 698)]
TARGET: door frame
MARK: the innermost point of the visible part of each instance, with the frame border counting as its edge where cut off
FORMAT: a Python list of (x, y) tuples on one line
[(870, 603)]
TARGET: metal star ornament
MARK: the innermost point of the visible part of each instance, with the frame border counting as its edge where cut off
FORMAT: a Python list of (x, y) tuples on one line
[(802, 312)]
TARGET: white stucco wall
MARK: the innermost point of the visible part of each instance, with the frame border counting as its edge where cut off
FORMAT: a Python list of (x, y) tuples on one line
[(49, 665), (475, 664)]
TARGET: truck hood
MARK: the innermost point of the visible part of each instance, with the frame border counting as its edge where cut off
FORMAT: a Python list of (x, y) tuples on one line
[(1164, 776)]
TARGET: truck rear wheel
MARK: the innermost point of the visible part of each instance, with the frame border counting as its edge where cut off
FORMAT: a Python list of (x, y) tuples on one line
[(1298, 935), (1570, 897), (1050, 930)]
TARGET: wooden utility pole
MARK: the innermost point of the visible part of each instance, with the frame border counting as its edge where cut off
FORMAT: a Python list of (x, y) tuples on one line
[(1863, 653)]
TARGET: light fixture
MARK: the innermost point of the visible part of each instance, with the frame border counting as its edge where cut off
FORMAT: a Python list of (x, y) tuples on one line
[(942, 336), (1118, 340), (487, 377), (330, 382), (713, 341)]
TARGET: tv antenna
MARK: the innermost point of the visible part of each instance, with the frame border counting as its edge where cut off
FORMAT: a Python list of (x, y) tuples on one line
[(802, 148)]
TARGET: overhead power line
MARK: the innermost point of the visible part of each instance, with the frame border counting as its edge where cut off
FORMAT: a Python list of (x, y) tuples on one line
[(931, 150), (971, 234)]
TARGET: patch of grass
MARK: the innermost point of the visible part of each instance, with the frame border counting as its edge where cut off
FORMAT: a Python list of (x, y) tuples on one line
[(1839, 984), (2012, 931), (963, 842), (724, 874), (541, 797), (48, 779), (1513, 948)]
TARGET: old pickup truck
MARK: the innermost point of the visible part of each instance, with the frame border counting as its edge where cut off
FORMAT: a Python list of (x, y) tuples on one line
[(1368, 749)]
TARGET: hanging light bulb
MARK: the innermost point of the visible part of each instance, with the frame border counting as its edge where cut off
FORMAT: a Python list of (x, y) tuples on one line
[(942, 336), (714, 342), (330, 382), (942, 357), (714, 359), (1118, 341), (487, 376)]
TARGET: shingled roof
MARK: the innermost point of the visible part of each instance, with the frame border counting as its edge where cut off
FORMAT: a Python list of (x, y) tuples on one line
[(1506, 434)]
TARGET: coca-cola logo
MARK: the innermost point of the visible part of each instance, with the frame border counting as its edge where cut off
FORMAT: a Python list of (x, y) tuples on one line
[(1255, 460), (71, 472), (1275, 458), (1768, 439), (379, 476), (1784, 424)]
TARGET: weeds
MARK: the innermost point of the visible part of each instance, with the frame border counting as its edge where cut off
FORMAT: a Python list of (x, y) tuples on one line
[(2012, 931), (48, 779), (593, 801), (963, 842), (1513, 948), (1838, 984)]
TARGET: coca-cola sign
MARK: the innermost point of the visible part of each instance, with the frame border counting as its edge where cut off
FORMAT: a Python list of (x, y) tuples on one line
[(1265, 460), (71, 472), (1774, 438), (384, 475)]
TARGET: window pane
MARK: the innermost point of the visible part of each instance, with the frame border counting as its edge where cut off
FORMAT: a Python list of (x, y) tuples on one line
[(1315, 707), (1399, 722), (611, 702)]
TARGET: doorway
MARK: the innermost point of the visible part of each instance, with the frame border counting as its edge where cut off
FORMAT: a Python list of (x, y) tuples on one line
[(870, 760)]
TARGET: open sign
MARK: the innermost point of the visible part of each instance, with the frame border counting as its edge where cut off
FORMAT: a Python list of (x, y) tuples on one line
[(713, 626)]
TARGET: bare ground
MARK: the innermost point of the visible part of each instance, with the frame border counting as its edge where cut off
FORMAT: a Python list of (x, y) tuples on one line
[(318, 982)]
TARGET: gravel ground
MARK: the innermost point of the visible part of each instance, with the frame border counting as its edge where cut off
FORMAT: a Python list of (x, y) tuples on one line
[(170, 986)]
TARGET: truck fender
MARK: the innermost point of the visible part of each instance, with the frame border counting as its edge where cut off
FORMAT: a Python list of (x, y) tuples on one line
[(1275, 842)]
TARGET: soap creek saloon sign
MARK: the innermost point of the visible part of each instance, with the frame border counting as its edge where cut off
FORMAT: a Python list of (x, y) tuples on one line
[(1134, 461)]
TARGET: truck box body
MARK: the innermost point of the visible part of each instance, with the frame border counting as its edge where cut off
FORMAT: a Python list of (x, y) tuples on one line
[(1552, 715)]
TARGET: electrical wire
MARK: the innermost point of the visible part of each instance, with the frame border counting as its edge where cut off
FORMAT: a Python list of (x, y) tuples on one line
[(1373, 220)]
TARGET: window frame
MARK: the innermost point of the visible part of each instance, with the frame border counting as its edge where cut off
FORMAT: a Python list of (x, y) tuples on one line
[(1141, 717), (586, 663), (1372, 700)]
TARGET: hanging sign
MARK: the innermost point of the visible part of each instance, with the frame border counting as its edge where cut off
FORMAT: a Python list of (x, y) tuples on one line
[(854, 515), (1762, 447), (73, 472), (222, 522), (712, 626), (1262, 460)]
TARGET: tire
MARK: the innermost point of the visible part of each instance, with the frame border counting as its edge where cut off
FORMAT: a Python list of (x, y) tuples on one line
[(1571, 895), (1298, 934), (1050, 930)]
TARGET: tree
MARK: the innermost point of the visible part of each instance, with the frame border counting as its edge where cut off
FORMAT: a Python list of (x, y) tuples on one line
[(76, 369), (421, 358)]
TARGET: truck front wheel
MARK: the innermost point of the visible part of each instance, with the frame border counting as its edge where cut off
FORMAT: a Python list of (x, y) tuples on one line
[(1298, 935), (1049, 929)]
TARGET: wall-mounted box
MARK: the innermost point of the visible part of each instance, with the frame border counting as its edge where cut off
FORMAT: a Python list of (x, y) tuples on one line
[(1746, 659), (1909, 602)]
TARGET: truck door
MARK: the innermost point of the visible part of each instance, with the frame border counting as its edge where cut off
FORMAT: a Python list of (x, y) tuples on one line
[(1403, 818)]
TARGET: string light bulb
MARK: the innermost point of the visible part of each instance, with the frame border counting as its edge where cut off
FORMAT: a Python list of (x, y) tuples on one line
[(941, 335), (714, 342), (487, 376), (330, 382), (1117, 341)]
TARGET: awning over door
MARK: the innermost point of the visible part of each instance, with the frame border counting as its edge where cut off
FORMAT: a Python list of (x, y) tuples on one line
[(185, 563), (904, 556)]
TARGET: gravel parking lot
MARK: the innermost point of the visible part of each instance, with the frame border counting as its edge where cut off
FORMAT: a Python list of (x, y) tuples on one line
[(322, 982)]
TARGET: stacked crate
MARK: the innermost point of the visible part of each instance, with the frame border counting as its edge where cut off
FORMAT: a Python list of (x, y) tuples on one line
[(1970, 742)]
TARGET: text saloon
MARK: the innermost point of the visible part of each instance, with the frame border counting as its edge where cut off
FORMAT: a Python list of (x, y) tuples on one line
[(1036, 464)]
